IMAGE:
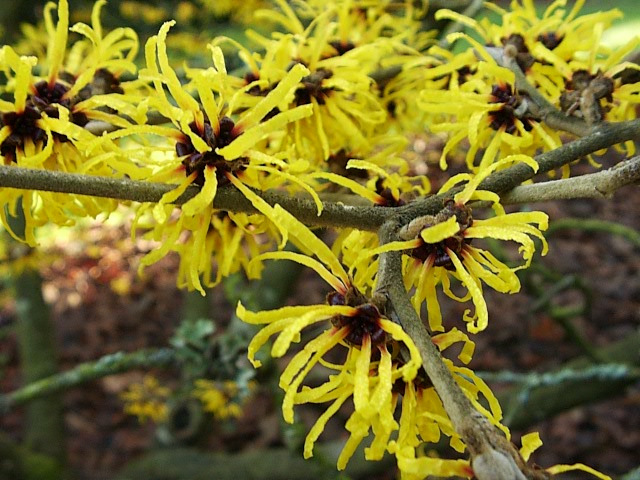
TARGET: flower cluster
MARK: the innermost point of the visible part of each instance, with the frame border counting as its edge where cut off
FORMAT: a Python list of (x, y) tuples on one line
[(47, 124), (221, 399), (561, 55), (146, 400)]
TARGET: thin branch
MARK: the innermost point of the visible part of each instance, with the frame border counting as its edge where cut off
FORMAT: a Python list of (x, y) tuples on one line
[(107, 365), (543, 396), (227, 198), (334, 214), (594, 185), (603, 136)]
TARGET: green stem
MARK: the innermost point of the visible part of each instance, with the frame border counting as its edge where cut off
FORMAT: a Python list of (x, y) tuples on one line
[(108, 365), (538, 400), (595, 225)]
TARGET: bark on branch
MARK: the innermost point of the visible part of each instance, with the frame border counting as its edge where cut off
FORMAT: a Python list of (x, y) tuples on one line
[(594, 185)]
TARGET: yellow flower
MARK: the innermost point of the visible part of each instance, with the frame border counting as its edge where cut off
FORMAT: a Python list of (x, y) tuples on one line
[(423, 419), (563, 57), (483, 108), (443, 249), (146, 400), (355, 323), (44, 126), (215, 142), (219, 398), (556, 29), (337, 87), (439, 247)]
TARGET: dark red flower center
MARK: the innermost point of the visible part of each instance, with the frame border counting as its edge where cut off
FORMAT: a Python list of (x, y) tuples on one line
[(364, 323), (45, 98), (195, 161), (312, 88), (505, 118), (438, 252)]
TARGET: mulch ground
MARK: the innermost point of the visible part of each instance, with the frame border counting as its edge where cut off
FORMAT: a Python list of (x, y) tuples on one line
[(93, 319)]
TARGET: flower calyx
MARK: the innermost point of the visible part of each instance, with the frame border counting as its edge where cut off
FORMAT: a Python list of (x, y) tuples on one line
[(312, 87), (195, 161), (363, 322), (438, 253), (513, 107), (583, 94)]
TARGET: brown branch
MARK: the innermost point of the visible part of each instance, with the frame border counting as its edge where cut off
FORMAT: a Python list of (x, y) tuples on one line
[(603, 136), (334, 214), (594, 185)]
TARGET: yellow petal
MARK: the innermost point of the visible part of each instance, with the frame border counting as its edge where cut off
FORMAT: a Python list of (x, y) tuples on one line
[(320, 269), (426, 292), (253, 135), (445, 340), (307, 238), (473, 286), (410, 369), (361, 375), (22, 66), (469, 189), (382, 391), (307, 359), (295, 325), (57, 48), (183, 99), (440, 231), (530, 443), (318, 427), (160, 209), (322, 343), (275, 96), (260, 338), (408, 464), (204, 198), (260, 205), (293, 179), (493, 272), (577, 466), (352, 185), (270, 316), (365, 165)]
